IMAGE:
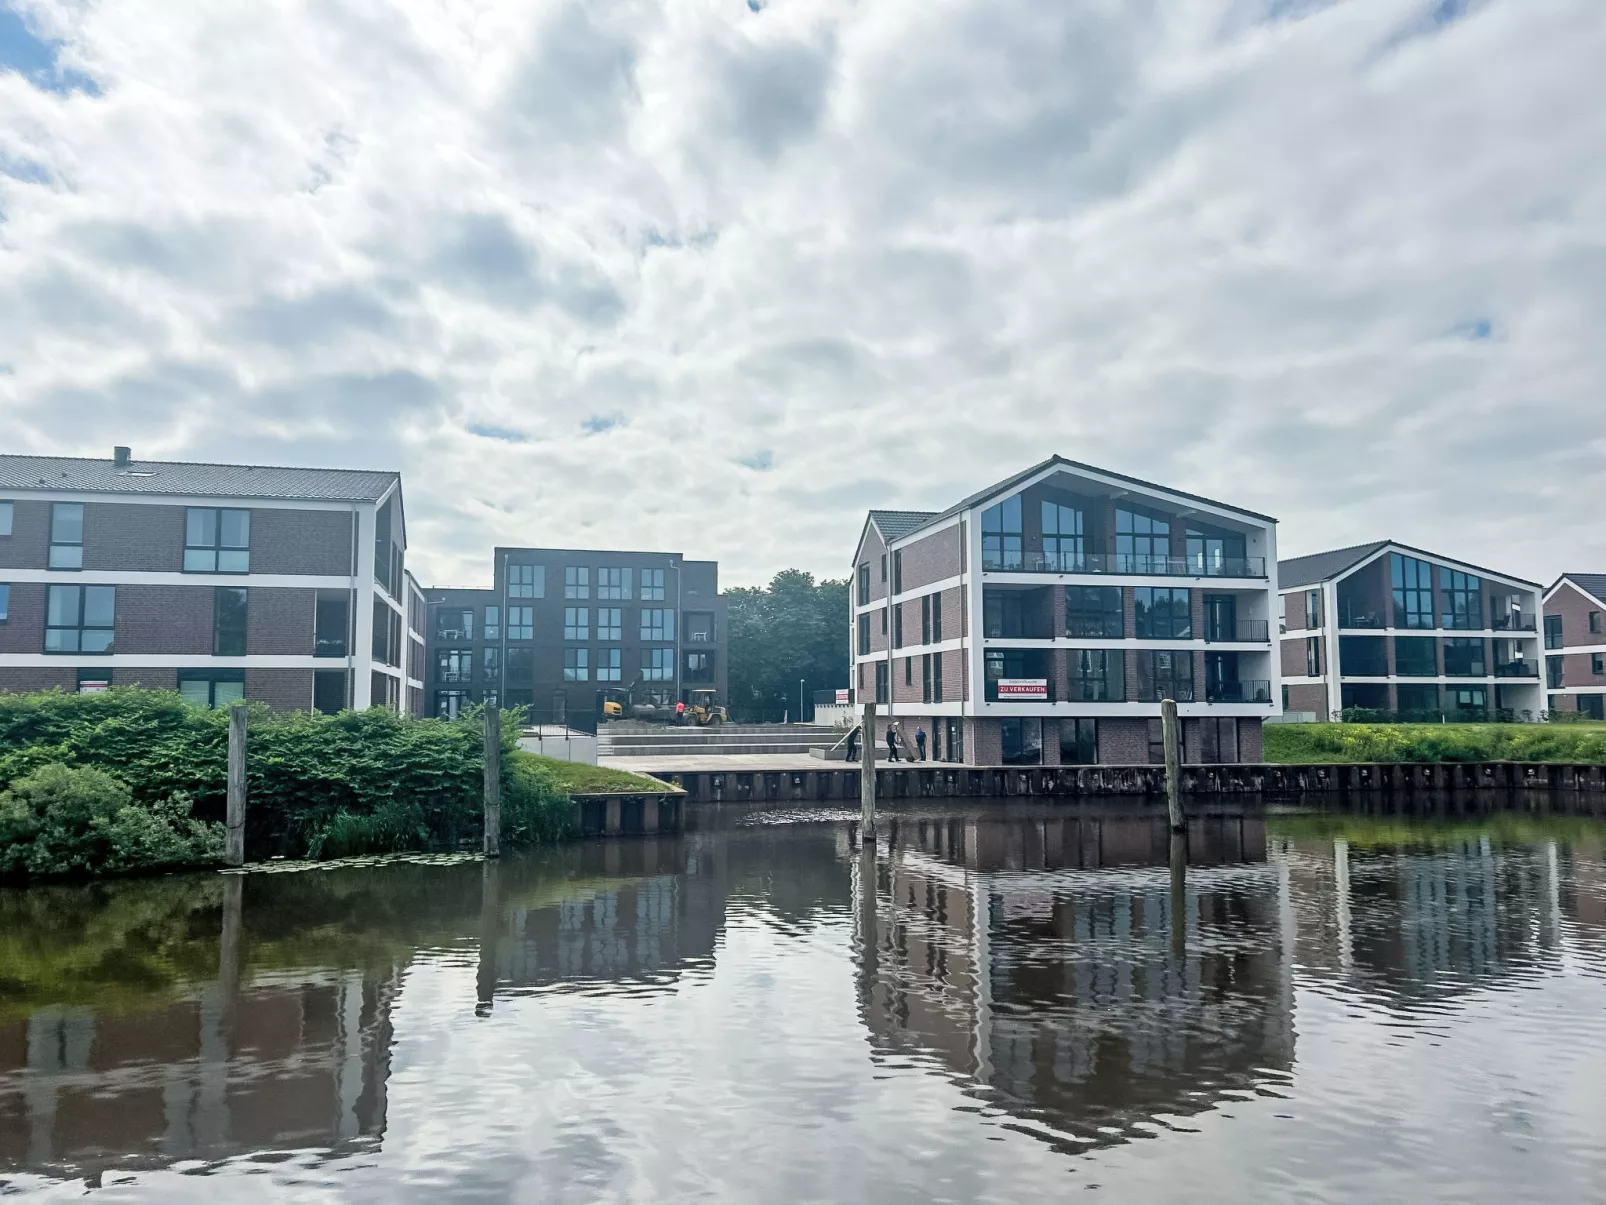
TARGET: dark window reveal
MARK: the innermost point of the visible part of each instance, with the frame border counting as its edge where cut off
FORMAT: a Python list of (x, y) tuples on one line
[(66, 535), (217, 540), (228, 621), (80, 619)]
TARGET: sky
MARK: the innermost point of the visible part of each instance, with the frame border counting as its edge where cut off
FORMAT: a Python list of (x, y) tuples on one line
[(716, 276)]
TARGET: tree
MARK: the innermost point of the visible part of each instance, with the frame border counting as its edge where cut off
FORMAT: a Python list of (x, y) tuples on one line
[(794, 628)]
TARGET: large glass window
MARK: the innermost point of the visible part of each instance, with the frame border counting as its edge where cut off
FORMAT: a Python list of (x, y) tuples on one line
[(652, 585), (1553, 634), (613, 583), (1412, 582), (657, 665), (1163, 613), (1165, 674), (1002, 614), (1027, 668), (576, 665), (1079, 742), (1216, 553), (454, 665), (520, 623), (1553, 672), (577, 623), (1416, 657), (864, 584), (1142, 542), (66, 535), (519, 667), (1313, 608), (609, 667), (1097, 675), (5, 518), (211, 687), (217, 540), (1021, 740), (1313, 656), (80, 619), (1463, 657), (1466, 698), (493, 623), (1063, 542), (1001, 535), (864, 634), (1363, 657), (699, 667), (1416, 699), (329, 691), (1093, 611), (5, 601), (699, 627), (491, 665), (576, 581), (454, 623), (449, 704), (610, 623), (228, 621), (526, 581), (657, 623), (1463, 600), (330, 627)]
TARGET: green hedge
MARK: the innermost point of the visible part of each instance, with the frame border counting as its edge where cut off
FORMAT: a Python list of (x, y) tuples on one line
[(317, 786), (1390, 743)]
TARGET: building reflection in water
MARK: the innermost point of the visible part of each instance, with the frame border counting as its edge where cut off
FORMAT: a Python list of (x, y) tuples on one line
[(204, 1017), (1038, 960)]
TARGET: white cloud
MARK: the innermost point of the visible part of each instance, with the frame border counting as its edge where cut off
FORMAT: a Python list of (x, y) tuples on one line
[(703, 277)]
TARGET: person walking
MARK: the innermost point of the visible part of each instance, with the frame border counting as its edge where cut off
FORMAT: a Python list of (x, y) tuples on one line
[(892, 742), (920, 742), (853, 746)]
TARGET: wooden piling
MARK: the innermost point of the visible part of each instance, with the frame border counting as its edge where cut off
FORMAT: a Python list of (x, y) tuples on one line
[(1173, 763), (867, 774), (1179, 894), (493, 781), (234, 849)]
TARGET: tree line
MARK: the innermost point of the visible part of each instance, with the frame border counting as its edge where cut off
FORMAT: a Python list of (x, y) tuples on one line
[(793, 630)]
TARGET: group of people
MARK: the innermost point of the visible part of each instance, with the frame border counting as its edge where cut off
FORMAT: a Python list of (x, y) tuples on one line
[(896, 749)]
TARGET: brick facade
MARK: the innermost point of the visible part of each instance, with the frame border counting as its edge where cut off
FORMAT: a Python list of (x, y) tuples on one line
[(281, 689), (24, 628), (164, 619), (28, 545), (933, 558), (279, 621), (18, 678), (305, 541), (1311, 696), (132, 537)]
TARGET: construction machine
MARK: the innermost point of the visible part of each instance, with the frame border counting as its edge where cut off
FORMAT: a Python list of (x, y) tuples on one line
[(703, 708)]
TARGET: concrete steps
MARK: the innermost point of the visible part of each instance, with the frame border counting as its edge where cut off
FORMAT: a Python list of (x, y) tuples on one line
[(658, 740)]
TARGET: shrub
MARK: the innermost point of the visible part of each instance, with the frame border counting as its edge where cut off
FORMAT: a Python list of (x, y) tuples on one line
[(60, 820)]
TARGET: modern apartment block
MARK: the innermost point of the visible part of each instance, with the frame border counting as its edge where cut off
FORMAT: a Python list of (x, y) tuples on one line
[(1575, 644), (219, 581), (1389, 628), (1043, 620), (560, 625)]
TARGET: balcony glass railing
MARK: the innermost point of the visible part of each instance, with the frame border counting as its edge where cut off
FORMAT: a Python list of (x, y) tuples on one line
[(1249, 690), (1126, 563), (1514, 621), (1517, 669), (1245, 631), (1362, 619)]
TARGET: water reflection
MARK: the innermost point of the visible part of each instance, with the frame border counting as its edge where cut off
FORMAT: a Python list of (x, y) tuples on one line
[(1052, 971)]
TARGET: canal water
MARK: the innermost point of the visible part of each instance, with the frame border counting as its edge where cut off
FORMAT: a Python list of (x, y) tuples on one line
[(995, 1003)]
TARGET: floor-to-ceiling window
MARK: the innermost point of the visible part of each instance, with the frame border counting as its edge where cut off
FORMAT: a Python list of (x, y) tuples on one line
[(1001, 535), (1412, 582), (1142, 542), (1463, 600), (1063, 539)]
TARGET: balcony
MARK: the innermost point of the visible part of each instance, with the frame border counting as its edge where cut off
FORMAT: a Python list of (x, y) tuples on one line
[(1514, 621), (1245, 631), (1517, 669), (1250, 690), (1126, 564), (1362, 619)]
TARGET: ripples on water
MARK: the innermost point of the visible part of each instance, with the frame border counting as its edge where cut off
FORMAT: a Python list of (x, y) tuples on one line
[(993, 1004)]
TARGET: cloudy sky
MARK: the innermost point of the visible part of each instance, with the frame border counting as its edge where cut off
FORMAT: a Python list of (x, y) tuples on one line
[(717, 275)]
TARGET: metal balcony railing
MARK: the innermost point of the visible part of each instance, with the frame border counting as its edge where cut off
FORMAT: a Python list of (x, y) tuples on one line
[(1514, 621), (1245, 631), (1517, 669), (1126, 563), (1249, 690)]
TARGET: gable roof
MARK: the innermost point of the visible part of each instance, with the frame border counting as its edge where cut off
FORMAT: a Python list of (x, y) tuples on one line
[(895, 524), (1593, 584), (1010, 482), (1321, 566), (1324, 566), (76, 474)]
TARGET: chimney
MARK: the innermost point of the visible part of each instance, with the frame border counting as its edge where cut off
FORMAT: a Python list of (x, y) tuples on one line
[(121, 457)]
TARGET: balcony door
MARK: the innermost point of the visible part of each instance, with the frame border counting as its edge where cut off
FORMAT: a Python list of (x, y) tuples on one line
[(1221, 677), (1221, 617)]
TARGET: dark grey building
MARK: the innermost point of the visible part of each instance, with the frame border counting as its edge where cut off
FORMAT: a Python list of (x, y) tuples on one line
[(219, 581), (560, 625)]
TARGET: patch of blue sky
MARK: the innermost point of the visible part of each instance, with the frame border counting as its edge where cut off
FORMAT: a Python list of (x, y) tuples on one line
[(35, 58)]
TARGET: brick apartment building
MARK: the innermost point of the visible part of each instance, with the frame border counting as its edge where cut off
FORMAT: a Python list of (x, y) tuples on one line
[(1391, 628), (560, 625), (1043, 620), (222, 582), (1575, 644)]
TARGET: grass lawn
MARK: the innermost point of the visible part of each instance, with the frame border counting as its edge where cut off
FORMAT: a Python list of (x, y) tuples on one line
[(1344, 743), (577, 778)]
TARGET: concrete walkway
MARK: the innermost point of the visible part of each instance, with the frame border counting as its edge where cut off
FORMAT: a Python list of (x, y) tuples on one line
[(745, 763)]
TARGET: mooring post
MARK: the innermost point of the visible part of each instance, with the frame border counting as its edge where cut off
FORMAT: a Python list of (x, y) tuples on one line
[(493, 781), (490, 930), (1173, 763), (867, 774), (234, 848)]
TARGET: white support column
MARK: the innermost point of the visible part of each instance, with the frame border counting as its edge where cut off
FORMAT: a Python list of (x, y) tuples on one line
[(976, 670), (362, 660), (1335, 691)]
